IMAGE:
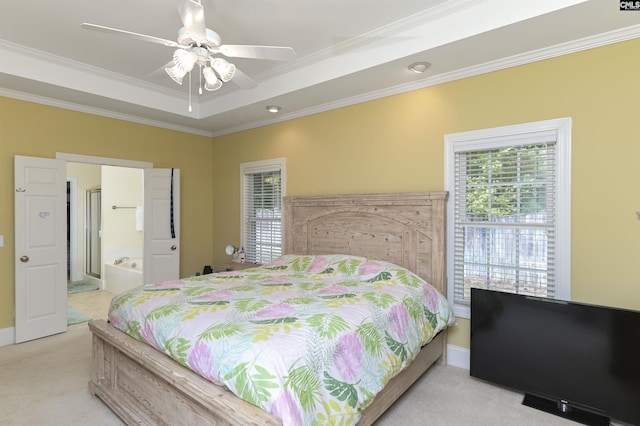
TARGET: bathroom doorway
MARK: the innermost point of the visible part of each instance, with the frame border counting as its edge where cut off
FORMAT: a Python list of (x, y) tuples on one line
[(163, 202), (102, 230)]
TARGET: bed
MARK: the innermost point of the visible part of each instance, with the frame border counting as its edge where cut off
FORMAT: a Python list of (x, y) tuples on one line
[(328, 237)]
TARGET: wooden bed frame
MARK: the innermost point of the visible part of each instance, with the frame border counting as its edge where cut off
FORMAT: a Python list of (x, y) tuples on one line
[(144, 386)]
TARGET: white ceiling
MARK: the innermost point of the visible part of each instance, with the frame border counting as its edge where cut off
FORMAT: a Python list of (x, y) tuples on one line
[(348, 51)]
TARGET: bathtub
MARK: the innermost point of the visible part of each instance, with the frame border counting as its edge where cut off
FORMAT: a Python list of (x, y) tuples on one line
[(124, 276)]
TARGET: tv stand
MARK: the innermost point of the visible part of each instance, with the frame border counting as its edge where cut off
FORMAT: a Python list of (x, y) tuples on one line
[(563, 409)]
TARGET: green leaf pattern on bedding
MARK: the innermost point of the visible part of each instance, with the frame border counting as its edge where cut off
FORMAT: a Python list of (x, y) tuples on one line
[(253, 383), (311, 339), (177, 348), (328, 326), (341, 390)]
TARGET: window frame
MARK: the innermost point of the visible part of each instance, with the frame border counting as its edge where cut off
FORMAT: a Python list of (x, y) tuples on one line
[(500, 137), (261, 166)]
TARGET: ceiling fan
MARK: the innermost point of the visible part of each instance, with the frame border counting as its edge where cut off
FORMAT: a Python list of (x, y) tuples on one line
[(198, 45)]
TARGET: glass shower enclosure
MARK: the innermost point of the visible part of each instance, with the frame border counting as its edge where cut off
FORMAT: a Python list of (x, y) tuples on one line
[(93, 221)]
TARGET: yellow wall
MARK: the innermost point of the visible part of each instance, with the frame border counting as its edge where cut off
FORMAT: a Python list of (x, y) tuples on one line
[(41, 131), (387, 145), (396, 144)]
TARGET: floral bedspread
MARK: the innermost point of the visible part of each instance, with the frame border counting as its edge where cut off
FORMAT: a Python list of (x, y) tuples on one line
[(310, 339)]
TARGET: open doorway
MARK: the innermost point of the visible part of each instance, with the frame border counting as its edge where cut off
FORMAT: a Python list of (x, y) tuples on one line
[(100, 232), (104, 220), (161, 238)]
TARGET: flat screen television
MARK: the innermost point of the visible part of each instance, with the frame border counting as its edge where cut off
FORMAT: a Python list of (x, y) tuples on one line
[(575, 360)]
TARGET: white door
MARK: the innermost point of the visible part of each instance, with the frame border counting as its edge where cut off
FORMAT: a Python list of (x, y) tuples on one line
[(161, 225), (40, 247)]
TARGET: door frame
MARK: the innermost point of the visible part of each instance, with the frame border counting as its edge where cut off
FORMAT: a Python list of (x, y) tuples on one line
[(98, 161), (103, 161)]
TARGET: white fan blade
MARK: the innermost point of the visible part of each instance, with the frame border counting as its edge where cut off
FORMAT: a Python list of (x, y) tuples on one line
[(242, 80), (129, 34), (192, 15), (274, 53)]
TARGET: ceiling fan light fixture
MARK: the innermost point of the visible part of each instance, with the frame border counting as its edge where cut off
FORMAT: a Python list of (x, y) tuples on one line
[(224, 69), (419, 67), (196, 44), (176, 73), (211, 81), (184, 59), (213, 87)]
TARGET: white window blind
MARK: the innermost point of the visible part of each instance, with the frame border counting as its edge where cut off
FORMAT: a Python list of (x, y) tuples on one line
[(505, 220), (262, 210), (504, 214)]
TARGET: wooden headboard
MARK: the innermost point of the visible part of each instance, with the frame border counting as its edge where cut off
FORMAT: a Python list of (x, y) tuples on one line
[(407, 229)]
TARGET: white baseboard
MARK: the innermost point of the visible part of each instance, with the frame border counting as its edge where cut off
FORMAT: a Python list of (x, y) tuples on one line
[(458, 356), (7, 336)]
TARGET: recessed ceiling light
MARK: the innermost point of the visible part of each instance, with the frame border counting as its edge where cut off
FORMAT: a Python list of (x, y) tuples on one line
[(273, 108), (419, 67)]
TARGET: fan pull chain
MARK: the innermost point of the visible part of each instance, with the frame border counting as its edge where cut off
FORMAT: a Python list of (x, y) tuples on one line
[(200, 75), (190, 109)]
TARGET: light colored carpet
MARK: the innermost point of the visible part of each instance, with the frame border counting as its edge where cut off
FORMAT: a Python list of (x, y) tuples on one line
[(448, 396), (44, 382)]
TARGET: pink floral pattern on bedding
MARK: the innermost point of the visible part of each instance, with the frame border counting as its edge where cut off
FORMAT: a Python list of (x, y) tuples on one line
[(310, 339)]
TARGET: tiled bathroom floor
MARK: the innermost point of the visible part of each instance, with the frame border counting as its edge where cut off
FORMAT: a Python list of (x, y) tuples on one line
[(92, 303)]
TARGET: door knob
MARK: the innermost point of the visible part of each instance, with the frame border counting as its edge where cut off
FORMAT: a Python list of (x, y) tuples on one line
[(173, 248), (24, 259)]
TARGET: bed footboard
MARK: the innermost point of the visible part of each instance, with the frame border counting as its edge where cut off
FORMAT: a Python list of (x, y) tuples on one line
[(143, 386)]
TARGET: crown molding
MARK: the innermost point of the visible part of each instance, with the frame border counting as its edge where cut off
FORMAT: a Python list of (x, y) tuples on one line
[(587, 43), (612, 37), (43, 100)]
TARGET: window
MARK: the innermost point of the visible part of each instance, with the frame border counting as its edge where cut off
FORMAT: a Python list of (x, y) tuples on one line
[(262, 189), (509, 211)]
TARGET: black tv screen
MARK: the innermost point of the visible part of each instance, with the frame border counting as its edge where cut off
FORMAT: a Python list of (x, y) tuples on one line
[(575, 360)]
